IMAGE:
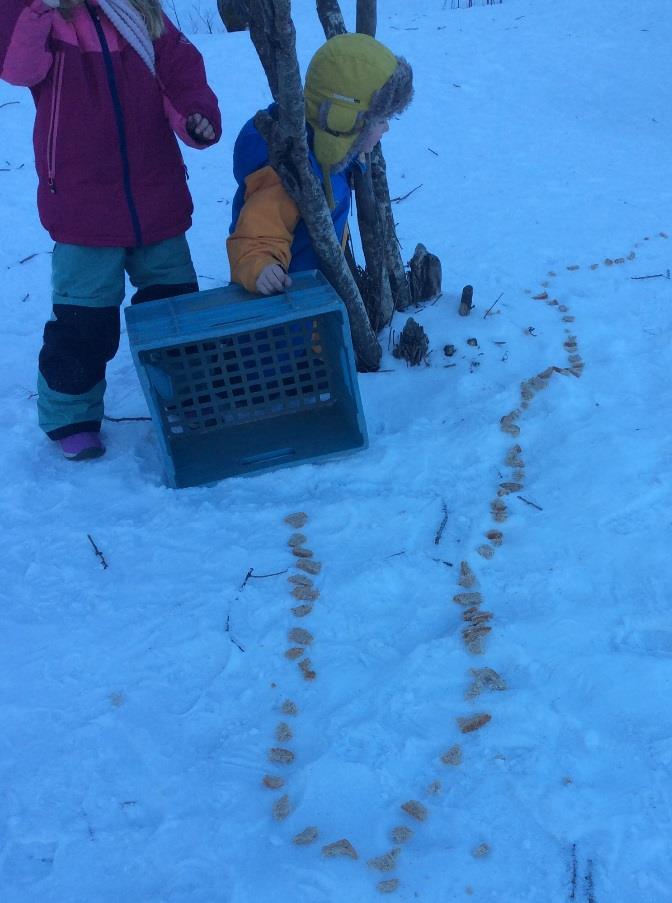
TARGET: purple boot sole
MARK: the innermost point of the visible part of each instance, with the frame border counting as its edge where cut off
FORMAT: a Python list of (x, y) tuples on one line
[(82, 446)]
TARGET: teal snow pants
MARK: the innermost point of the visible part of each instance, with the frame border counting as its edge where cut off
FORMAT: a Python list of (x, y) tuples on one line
[(83, 333)]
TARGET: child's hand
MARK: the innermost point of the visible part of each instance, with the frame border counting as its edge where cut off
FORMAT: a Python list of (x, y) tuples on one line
[(200, 128), (272, 280)]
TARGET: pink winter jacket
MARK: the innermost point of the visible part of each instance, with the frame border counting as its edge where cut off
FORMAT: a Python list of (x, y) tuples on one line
[(110, 170)]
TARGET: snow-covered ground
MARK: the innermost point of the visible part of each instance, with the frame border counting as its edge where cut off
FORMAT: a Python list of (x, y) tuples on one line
[(139, 702)]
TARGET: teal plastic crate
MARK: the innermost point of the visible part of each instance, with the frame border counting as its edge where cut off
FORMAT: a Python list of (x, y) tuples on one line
[(237, 383)]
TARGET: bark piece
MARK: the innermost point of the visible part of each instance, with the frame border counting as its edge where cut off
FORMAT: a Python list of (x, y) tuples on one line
[(416, 810), (300, 580), (283, 732), (273, 782), (466, 301), (309, 565), (453, 756), (307, 836), (413, 344), (474, 637), (484, 679), (401, 834), (513, 458), (297, 539), (387, 862), (289, 708), (294, 653), (473, 722), (341, 847), (425, 275), (496, 537), (306, 667), (481, 851), (281, 808), (297, 519), (302, 611), (306, 593), (302, 552), (467, 576), (388, 886), (486, 551), (281, 756), (468, 598), (299, 635)]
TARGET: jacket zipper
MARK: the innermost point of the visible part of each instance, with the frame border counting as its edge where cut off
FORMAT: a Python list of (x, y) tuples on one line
[(54, 119), (121, 129)]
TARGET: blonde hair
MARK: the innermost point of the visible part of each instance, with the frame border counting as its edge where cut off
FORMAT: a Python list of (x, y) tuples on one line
[(151, 12)]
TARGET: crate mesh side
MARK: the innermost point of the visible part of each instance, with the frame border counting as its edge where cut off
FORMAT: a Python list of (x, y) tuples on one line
[(247, 376)]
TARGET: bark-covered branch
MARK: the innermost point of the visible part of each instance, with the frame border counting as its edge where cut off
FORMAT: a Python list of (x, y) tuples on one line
[(235, 14), (367, 18), (274, 37), (384, 266), (331, 17)]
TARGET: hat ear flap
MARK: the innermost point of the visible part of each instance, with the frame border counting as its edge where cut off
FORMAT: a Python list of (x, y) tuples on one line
[(341, 118)]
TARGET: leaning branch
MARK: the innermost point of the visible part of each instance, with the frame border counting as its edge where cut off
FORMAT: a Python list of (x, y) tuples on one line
[(274, 37)]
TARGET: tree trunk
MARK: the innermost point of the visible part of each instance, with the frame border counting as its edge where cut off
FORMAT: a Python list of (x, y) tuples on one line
[(367, 18), (401, 294), (331, 17), (235, 14), (274, 37), (385, 268), (378, 293)]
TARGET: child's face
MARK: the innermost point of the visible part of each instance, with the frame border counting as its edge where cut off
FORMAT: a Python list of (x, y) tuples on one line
[(374, 133)]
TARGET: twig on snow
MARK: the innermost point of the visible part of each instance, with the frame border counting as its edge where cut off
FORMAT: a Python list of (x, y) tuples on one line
[(404, 196), (252, 576), (99, 554), (573, 874), (492, 305), (590, 886), (124, 419), (227, 629), (442, 525), (528, 502)]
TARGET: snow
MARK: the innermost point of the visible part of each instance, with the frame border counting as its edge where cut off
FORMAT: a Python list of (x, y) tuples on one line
[(139, 702)]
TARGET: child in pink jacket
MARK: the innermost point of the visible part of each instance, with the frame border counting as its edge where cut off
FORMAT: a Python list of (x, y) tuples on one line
[(113, 82)]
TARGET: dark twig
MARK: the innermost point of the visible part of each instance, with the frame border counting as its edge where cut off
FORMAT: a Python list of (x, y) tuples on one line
[(492, 305), (433, 152), (590, 886), (227, 629), (442, 525), (99, 554), (124, 419), (528, 502), (404, 196), (252, 576), (395, 554), (8, 103), (655, 276), (573, 874)]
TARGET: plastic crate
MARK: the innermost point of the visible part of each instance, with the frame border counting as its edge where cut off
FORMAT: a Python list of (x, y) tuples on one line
[(237, 384)]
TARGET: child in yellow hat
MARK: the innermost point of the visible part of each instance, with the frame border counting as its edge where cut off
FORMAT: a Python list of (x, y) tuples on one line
[(354, 85)]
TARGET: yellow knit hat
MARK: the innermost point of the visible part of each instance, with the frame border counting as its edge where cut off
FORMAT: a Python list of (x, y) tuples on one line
[(344, 79)]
